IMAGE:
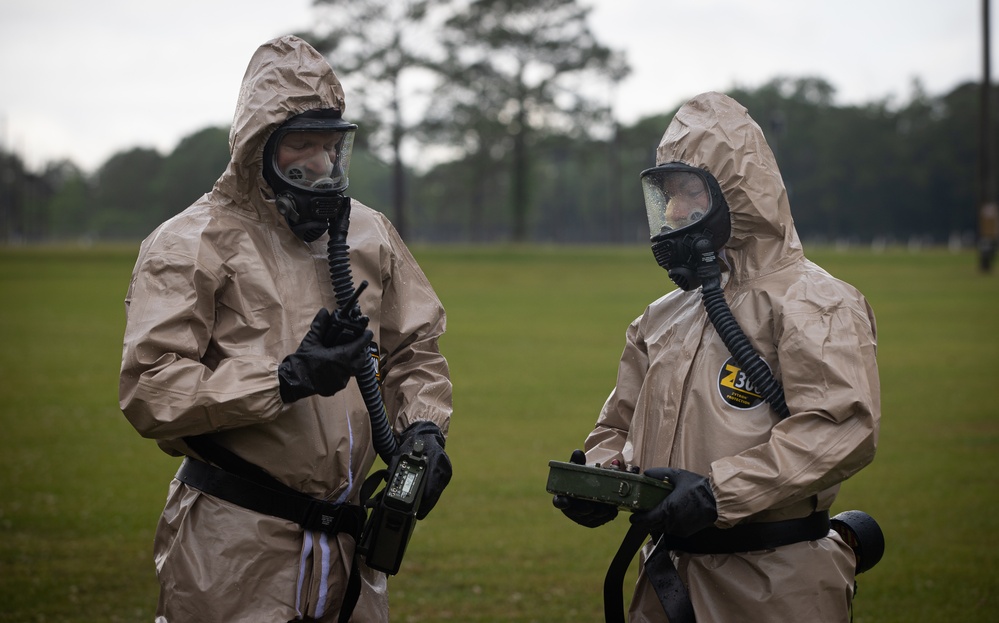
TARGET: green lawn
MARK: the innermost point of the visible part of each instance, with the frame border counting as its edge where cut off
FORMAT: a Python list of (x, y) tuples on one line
[(534, 334)]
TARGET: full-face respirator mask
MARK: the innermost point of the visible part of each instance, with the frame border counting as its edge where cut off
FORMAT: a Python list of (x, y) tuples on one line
[(688, 221), (306, 162)]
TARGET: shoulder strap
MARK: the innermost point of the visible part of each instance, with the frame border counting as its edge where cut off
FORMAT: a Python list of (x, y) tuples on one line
[(614, 580), (662, 576)]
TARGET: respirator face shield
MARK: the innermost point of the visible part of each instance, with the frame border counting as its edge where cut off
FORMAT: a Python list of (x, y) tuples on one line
[(313, 159), (687, 214), (306, 163)]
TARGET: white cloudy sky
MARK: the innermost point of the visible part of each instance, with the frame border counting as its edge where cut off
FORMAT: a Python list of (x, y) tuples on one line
[(85, 79)]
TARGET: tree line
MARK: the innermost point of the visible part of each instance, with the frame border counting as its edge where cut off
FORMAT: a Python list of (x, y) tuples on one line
[(508, 140)]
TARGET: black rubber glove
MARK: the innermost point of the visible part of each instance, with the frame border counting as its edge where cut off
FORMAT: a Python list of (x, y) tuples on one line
[(318, 369), (689, 508), (438, 464), (584, 512)]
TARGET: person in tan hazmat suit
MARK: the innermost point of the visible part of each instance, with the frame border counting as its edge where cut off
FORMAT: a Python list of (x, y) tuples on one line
[(746, 528), (228, 311)]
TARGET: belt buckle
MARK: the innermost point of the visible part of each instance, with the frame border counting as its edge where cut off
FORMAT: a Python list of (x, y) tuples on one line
[(324, 517)]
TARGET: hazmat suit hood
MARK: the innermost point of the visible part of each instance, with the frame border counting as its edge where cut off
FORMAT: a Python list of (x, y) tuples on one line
[(714, 132), (284, 78)]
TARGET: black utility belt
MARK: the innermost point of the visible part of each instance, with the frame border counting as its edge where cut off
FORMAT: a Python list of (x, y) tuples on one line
[(285, 503), (751, 537)]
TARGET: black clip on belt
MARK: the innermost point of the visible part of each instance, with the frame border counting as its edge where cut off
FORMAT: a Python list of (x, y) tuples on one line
[(285, 503)]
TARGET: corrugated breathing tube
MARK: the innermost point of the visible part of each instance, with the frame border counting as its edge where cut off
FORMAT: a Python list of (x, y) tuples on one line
[(338, 250)]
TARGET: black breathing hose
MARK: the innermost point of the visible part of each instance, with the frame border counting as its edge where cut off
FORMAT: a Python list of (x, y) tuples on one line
[(738, 344), (338, 250)]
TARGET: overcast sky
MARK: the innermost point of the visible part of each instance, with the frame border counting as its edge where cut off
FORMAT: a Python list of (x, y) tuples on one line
[(86, 79)]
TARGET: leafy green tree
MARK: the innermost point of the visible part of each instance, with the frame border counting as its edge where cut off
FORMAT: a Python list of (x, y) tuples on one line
[(68, 211), (834, 160), (455, 122), (126, 205), (942, 156), (23, 195), (524, 64), (190, 170), (11, 200), (885, 169), (872, 171), (375, 46)]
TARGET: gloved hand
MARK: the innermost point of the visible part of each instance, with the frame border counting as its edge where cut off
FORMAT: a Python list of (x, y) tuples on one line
[(318, 369), (584, 512), (689, 508), (438, 464)]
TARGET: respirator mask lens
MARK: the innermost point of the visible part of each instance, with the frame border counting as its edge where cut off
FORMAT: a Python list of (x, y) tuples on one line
[(313, 159), (675, 198), (305, 163)]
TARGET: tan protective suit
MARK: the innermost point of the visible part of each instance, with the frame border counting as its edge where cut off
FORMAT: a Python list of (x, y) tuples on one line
[(219, 296), (677, 404)]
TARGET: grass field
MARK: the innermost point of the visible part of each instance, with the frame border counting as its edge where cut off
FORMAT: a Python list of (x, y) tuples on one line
[(533, 341)]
